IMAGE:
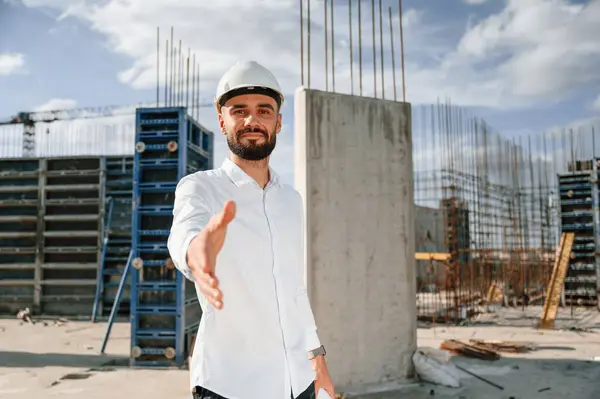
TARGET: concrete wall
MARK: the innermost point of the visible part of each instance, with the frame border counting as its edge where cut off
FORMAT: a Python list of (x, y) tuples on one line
[(354, 170)]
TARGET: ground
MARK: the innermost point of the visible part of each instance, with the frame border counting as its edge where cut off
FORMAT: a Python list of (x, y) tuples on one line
[(61, 360)]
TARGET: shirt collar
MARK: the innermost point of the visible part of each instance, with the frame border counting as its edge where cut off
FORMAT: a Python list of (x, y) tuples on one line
[(240, 178)]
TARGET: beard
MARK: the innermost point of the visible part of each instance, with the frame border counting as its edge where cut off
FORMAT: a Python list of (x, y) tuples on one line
[(251, 150)]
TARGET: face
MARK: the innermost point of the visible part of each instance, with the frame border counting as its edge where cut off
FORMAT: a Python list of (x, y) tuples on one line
[(251, 123)]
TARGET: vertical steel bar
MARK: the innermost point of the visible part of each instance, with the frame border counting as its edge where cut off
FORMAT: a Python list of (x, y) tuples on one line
[(393, 55), (308, 43), (198, 93), (325, 32), (187, 82), (180, 78), (374, 49), (360, 58), (351, 47), (302, 42), (166, 72), (332, 48), (382, 62), (194, 86), (171, 70), (402, 49)]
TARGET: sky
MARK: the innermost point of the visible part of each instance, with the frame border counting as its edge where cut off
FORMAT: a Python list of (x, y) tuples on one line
[(524, 66)]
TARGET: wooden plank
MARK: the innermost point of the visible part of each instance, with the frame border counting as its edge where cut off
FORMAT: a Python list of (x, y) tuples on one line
[(557, 281), (441, 256)]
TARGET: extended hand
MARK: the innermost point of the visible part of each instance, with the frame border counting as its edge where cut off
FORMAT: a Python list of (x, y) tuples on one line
[(322, 379), (203, 250)]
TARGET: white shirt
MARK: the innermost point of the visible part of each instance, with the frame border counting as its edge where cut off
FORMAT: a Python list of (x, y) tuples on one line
[(256, 346)]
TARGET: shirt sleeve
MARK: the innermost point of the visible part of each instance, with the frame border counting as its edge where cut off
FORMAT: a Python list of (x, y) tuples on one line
[(191, 214), (312, 340)]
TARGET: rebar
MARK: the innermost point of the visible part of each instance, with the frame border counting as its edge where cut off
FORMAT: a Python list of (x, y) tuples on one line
[(490, 203)]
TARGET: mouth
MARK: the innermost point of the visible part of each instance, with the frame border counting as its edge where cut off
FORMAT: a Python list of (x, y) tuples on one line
[(253, 134)]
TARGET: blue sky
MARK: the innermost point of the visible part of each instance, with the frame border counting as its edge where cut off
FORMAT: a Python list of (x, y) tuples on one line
[(523, 65)]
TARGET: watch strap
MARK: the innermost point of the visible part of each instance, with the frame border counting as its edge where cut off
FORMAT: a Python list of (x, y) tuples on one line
[(316, 352)]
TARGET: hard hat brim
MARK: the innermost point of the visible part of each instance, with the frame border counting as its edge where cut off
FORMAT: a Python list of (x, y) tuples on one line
[(250, 89)]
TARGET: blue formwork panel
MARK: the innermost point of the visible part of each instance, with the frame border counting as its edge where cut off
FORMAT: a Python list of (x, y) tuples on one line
[(164, 308), (578, 206)]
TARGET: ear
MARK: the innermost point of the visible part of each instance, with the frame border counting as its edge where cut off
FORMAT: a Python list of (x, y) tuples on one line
[(221, 123), (278, 127)]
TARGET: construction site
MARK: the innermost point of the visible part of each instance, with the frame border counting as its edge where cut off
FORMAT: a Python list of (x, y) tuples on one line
[(496, 256)]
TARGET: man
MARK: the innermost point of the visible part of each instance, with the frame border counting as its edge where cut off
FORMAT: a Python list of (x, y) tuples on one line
[(238, 234)]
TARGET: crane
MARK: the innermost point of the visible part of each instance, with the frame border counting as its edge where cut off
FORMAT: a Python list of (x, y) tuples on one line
[(29, 119)]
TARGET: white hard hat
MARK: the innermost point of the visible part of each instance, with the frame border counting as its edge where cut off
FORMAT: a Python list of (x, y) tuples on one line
[(247, 77)]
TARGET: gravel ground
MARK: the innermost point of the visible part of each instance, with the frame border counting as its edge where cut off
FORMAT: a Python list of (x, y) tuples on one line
[(61, 360)]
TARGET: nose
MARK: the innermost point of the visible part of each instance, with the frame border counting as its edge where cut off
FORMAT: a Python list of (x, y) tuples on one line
[(250, 120)]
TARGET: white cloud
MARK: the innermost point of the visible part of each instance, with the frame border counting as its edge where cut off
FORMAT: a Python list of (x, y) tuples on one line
[(11, 63), (544, 49), (531, 52), (57, 104), (596, 104)]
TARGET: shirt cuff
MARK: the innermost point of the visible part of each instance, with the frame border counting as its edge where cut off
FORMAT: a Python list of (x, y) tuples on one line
[(183, 266)]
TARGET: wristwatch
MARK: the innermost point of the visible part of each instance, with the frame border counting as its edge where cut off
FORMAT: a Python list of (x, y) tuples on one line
[(316, 352)]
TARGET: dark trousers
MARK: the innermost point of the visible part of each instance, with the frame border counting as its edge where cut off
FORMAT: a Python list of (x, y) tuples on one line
[(201, 393)]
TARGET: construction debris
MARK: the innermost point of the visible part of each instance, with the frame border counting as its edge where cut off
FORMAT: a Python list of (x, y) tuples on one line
[(434, 366), (503, 346), (485, 349), (474, 351), (500, 387), (25, 315)]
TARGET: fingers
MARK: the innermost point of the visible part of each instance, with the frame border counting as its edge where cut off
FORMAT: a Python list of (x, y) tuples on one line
[(209, 286), (212, 294), (226, 215)]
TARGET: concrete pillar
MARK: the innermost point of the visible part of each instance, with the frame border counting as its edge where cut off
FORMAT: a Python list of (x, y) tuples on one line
[(353, 168)]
